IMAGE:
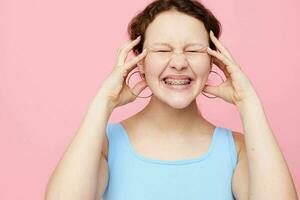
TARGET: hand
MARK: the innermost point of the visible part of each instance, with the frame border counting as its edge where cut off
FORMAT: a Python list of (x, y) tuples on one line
[(237, 87), (114, 89)]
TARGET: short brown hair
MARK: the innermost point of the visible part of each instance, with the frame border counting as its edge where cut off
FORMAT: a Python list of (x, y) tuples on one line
[(138, 25)]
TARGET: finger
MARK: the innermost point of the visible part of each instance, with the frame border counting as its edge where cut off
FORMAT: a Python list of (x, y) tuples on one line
[(230, 67), (222, 66), (214, 90), (130, 65), (220, 46), (139, 87), (123, 51)]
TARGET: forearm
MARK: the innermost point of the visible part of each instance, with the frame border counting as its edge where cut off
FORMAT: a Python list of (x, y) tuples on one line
[(268, 171), (76, 175)]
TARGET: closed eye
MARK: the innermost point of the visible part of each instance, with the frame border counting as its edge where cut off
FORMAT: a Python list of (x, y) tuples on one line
[(197, 51), (163, 51), (169, 51)]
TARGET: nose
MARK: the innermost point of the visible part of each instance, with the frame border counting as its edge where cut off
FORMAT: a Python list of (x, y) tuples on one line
[(178, 61)]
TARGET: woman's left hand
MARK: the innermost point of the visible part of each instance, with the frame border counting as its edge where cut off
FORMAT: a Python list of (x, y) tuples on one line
[(237, 87)]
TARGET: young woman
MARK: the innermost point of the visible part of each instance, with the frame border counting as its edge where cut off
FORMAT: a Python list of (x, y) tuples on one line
[(169, 150)]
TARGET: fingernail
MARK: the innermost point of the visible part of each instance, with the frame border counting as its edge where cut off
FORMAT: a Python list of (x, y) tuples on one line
[(138, 37), (212, 32)]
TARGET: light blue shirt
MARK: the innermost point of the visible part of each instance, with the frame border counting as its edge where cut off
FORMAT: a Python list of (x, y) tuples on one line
[(134, 177)]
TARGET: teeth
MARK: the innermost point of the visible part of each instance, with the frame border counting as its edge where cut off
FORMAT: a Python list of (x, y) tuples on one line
[(177, 82)]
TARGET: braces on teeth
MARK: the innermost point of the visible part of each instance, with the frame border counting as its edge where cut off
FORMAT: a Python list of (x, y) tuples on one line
[(177, 82)]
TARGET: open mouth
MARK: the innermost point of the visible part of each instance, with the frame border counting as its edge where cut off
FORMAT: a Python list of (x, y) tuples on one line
[(174, 82)]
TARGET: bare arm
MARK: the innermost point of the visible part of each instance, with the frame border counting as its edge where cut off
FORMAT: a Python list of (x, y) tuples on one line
[(78, 172), (76, 175), (268, 171), (269, 176)]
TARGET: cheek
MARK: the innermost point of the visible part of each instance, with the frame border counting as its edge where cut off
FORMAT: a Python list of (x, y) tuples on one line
[(153, 65), (201, 67)]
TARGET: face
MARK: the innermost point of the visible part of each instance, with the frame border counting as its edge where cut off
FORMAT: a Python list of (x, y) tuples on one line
[(176, 45)]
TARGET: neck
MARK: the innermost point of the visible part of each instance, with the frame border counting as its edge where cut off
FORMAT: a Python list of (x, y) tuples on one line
[(168, 119)]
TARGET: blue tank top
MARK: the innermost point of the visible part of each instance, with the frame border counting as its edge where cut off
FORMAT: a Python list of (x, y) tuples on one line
[(134, 177)]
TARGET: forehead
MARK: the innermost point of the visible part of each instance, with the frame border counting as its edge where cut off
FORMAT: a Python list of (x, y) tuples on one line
[(174, 26)]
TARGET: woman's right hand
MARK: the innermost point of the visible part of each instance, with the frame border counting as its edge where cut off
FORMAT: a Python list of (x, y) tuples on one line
[(114, 88)]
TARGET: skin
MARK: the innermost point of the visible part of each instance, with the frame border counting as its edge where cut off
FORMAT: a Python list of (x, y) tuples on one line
[(177, 31), (258, 150), (261, 172)]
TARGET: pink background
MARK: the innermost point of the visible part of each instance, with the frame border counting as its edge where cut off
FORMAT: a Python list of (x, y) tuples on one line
[(55, 54)]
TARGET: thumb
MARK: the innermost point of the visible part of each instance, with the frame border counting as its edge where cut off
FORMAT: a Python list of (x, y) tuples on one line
[(214, 90), (139, 87)]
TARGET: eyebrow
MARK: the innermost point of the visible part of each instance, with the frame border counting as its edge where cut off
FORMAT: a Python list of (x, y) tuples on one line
[(189, 44)]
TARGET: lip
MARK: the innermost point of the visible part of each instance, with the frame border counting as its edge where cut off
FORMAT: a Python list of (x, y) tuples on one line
[(178, 77), (180, 88)]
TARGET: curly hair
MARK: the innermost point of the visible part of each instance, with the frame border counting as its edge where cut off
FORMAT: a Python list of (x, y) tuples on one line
[(139, 23)]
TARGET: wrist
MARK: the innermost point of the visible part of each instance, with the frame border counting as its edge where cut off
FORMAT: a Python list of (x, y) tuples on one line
[(101, 104), (248, 103)]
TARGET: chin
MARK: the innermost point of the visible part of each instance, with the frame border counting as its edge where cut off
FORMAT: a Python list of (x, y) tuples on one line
[(176, 98), (178, 102)]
